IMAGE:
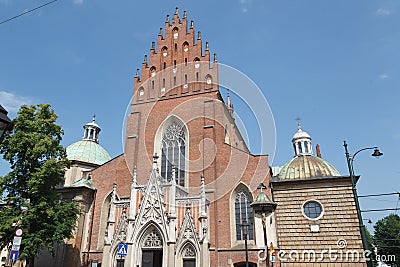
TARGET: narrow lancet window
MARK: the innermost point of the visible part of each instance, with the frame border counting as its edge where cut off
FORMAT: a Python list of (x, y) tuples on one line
[(173, 152), (243, 215)]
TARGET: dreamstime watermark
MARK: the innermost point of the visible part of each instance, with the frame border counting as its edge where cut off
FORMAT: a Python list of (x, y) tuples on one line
[(339, 252)]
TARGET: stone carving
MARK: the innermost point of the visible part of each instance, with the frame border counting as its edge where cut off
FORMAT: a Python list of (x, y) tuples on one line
[(120, 234), (152, 207), (174, 133), (153, 240), (188, 230), (188, 252)]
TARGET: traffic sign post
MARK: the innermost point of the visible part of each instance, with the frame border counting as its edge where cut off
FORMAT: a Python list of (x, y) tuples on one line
[(15, 247), (14, 253), (19, 232), (122, 250), (17, 240)]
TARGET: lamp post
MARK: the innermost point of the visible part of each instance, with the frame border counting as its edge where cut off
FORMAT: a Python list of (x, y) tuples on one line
[(5, 122), (264, 206), (350, 161), (244, 230)]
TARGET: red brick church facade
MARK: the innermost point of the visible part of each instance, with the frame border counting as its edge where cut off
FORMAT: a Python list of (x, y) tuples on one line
[(186, 182)]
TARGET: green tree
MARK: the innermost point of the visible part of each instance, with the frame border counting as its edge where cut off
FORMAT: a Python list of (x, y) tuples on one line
[(387, 239), (30, 198)]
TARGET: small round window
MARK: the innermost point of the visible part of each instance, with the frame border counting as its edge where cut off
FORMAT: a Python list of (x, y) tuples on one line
[(312, 210)]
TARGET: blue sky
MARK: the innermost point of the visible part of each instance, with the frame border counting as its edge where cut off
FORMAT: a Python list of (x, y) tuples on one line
[(334, 64)]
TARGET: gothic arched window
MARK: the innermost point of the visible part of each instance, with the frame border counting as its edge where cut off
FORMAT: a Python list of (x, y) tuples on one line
[(243, 215), (173, 152)]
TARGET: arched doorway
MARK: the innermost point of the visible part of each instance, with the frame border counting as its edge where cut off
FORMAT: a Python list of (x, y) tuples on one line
[(152, 252), (188, 256)]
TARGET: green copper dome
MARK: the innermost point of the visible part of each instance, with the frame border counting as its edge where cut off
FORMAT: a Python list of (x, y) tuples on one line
[(306, 166), (88, 151)]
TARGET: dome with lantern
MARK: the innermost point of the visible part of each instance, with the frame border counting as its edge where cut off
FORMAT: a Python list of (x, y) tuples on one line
[(305, 164), (88, 149)]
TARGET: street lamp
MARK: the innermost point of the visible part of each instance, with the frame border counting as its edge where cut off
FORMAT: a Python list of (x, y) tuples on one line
[(245, 230), (5, 122), (263, 205), (350, 161)]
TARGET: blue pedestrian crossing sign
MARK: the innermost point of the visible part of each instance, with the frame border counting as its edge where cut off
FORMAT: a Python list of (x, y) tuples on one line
[(14, 254), (122, 250)]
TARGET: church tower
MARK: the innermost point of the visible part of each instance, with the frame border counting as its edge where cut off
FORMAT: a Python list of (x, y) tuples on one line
[(175, 87)]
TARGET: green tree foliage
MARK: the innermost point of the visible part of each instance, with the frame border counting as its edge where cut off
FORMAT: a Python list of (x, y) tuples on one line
[(387, 239), (30, 198), (370, 241)]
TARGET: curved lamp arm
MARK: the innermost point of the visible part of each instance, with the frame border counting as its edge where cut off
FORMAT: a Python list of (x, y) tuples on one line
[(367, 148)]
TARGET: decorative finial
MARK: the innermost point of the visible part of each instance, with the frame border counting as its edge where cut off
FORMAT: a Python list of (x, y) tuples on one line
[(173, 178), (94, 118), (184, 14), (207, 47), (153, 45), (167, 20), (191, 24), (298, 124), (155, 157), (215, 57), (137, 73), (199, 35), (202, 197), (134, 178), (114, 193), (145, 59), (176, 10), (261, 186), (160, 33), (229, 103)]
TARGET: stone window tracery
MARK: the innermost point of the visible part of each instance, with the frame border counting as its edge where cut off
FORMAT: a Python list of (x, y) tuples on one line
[(188, 251), (243, 215), (173, 152), (153, 240)]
